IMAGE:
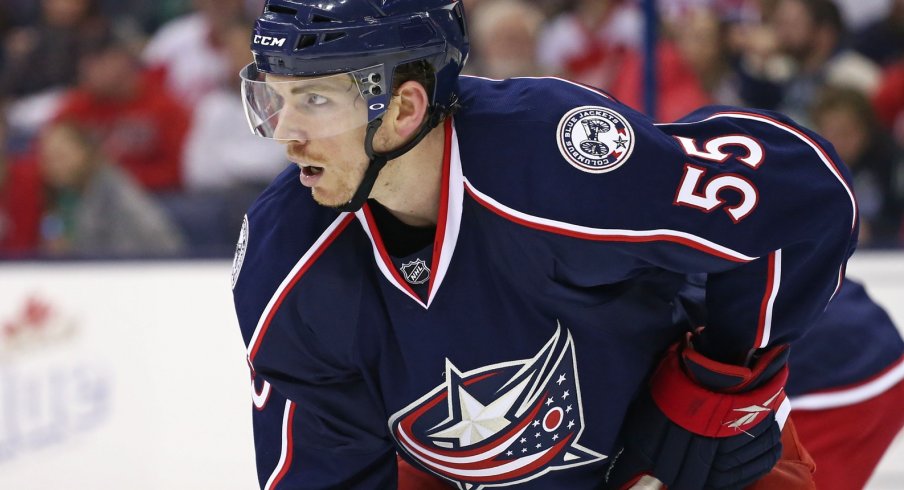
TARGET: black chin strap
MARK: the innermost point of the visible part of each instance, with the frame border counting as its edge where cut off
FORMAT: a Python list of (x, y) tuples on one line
[(378, 160)]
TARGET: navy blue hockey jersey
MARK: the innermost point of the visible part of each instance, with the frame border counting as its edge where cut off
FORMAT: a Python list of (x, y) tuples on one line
[(508, 350)]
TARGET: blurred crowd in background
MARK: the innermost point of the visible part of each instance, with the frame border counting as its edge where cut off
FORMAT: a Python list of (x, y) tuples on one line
[(124, 136)]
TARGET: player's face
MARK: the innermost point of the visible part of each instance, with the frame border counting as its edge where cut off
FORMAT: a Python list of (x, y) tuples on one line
[(322, 123), (331, 167)]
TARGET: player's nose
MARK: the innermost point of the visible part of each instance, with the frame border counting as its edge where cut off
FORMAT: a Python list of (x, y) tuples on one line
[(295, 150), (291, 127)]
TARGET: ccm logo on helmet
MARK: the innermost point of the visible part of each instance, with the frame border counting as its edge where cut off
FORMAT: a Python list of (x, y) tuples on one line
[(269, 41)]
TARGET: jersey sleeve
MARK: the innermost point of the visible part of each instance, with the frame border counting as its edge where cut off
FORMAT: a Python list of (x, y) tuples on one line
[(779, 200), (762, 206), (766, 209), (316, 423)]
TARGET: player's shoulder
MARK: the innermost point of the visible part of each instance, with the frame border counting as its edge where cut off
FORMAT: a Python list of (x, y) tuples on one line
[(556, 149), (281, 224), (293, 252), (770, 129), (769, 150), (520, 100)]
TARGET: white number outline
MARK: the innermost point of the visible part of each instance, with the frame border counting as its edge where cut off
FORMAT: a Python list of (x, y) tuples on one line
[(709, 199)]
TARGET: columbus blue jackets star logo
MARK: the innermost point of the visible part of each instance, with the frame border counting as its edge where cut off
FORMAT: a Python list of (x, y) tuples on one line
[(595, 139), (502, 424)]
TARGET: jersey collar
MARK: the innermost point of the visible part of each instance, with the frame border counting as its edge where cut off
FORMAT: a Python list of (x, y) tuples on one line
[(447, 227)]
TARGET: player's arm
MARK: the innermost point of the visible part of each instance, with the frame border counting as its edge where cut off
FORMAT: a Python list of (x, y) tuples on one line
[(775, 199), (316, 423), (775, 203), (314, 443)]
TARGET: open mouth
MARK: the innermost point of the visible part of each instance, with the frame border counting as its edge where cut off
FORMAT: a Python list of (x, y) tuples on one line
[(310, 170)]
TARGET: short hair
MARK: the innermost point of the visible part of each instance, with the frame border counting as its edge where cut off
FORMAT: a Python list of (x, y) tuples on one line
[(422, 72), (847, 99), (418, 71), (825, 13)]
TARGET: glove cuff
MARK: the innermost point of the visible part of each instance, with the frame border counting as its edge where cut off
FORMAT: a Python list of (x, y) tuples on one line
[(731, 378), (710, 413)]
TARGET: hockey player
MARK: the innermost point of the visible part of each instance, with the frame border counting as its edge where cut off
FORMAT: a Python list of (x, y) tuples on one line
[(479, 274)]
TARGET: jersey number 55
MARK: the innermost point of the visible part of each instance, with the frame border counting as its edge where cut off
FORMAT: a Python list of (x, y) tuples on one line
[(710, 197)]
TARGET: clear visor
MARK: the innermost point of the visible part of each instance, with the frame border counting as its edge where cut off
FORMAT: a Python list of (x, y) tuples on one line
[(306, 108)]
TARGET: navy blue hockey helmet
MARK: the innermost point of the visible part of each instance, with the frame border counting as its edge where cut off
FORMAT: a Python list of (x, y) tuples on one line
[(366, 38), (349, 50)]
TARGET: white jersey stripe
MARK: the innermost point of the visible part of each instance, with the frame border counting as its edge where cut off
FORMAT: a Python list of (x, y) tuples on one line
[(613, 235), (781, 414), (852, 395), (770, 302), (284, 452), (291, 278), (585, 87), (449, 222), (454, 208), (260, 399)]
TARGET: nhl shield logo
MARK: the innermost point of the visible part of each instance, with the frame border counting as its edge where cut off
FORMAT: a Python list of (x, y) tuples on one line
[(416, 272), (240, 248), (595, 139), (502, 424)]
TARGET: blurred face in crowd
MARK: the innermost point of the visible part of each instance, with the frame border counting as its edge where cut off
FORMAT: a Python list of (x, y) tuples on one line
[(699, 39), (65, 12), (504, 35), (845, 130), (794, 28), (512, 41), (220, 12), (109, 73), (65, 159), (235, 45), (896, 14)]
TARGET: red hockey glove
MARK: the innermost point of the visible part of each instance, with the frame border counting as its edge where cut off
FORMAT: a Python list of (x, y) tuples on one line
[(703, 424)]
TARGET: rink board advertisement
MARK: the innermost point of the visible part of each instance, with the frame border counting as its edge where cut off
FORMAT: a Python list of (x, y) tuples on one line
[(122, 375), (133, 375)]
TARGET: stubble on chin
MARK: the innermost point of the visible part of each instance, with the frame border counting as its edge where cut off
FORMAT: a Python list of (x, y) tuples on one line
[(332, 201), (333, 196)]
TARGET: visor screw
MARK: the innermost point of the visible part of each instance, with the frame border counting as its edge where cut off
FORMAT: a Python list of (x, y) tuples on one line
[(374, 78), (376, 90)]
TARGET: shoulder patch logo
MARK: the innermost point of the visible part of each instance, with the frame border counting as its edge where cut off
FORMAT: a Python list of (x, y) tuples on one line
[(595, 139), (240, 248)]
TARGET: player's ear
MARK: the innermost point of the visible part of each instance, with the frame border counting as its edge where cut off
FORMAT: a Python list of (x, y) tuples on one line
[(412, 103)]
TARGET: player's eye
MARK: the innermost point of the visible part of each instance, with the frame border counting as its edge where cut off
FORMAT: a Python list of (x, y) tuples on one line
[(316, 100)]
